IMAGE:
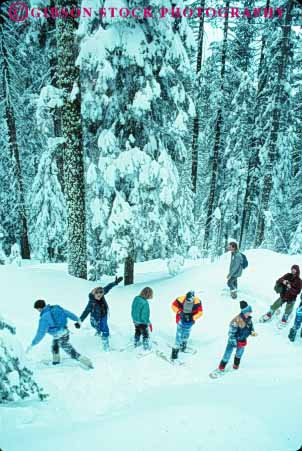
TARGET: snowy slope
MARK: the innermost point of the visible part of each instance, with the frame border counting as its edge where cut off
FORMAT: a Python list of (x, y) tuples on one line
[(146, 404)]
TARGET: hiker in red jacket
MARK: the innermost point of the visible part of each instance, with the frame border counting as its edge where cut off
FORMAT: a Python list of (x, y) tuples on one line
[(188, 309), (288, 287)]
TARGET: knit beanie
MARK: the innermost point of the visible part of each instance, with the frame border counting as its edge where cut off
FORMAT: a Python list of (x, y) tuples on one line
[(190, 296), (243, 304), (247, 309)]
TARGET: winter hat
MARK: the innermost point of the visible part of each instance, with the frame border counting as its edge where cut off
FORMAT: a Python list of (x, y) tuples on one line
[(190, 296), (296, 267), (243, 304), (247, 309)]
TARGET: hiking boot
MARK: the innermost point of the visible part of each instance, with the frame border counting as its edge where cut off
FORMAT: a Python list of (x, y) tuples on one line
[(136, 342), (267, 317), (222, 365), (236, 363), (183, 346), (292, 334), (146, 344), (105, 342), (174, 354), (55, 358)]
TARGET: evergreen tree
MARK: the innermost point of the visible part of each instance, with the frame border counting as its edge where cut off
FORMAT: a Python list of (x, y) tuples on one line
[(48, 213), (9, 100), (16, 380), (137, 106), (212, 199), (272, 119), (240, 84)]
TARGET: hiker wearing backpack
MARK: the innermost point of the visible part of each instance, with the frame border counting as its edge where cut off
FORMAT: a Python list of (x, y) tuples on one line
[(237, 264), (97, 308), (288, 287), (53, 320), (188, 309)]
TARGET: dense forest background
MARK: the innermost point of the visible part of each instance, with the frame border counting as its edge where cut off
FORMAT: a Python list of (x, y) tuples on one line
[(124, 140)]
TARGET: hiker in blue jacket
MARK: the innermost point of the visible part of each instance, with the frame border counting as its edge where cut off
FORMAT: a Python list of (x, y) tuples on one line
[(53, 320), (98, 309)]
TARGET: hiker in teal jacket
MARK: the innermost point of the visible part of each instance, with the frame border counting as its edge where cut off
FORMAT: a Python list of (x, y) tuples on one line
[(140, 312)]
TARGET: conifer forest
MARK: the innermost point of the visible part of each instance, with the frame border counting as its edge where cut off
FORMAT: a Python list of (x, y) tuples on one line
[(127, 139)]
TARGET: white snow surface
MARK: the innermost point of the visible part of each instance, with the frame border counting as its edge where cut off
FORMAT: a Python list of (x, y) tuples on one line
[(133, 404)]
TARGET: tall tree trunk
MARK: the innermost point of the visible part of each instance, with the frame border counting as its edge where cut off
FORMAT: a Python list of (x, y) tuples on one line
[(56, 112), (129, 271), (69, 82), (196, 119), (251, 181), (272, 151), (47, 39), (217, 141), (13, 144)]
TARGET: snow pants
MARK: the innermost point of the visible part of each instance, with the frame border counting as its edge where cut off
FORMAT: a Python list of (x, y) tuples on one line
[(64, 343), (182, 333), (298, 319), (229, 351), (232, 283), (288, 309), (101, 325), (141, 330)]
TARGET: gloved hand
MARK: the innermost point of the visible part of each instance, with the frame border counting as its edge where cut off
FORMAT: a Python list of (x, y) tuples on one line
[(151, 327), (77, 325), (233, 342), (28, 349), (118, 280), (254, 334)]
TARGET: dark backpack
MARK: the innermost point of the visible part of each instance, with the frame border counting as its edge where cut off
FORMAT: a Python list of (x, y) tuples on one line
[(279, 288), (245, 262)]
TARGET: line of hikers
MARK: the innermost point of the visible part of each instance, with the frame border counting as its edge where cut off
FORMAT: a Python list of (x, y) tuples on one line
[(188, 308)]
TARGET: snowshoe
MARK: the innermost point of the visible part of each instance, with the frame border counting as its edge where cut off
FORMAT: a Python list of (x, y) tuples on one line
[(163, 356), (65, 362), (188, 350), (85, 362), (144, 353), (217, 373), (282, 324), (266, 318)]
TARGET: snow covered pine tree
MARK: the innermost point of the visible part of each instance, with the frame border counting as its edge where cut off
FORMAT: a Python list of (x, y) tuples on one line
[(16, 380)]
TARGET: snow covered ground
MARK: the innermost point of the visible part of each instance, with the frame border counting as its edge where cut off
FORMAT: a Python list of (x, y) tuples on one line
[(133, 404)]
